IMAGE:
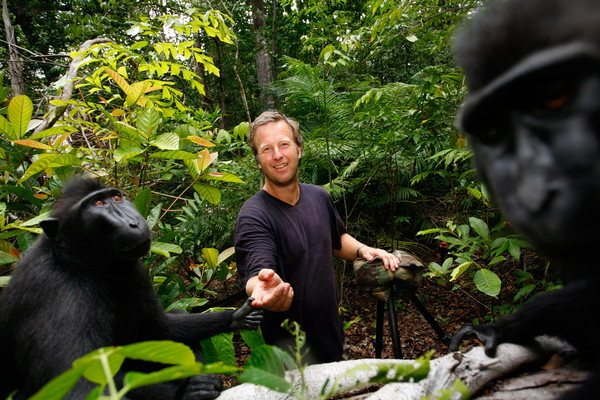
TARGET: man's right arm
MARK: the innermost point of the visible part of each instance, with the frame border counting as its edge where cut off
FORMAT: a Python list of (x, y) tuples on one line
[(270, 291)]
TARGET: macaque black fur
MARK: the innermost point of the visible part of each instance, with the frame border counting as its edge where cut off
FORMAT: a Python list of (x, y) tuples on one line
[(82, 286), (533, 119)]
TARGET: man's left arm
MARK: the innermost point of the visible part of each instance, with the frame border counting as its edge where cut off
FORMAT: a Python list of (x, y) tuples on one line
[(352, 249)]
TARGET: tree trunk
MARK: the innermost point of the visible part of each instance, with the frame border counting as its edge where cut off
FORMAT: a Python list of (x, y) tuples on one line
[(15, 67), (55, 112), (263, 59)]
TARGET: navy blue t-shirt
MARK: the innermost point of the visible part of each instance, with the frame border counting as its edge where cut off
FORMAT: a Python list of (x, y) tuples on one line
[(297, 242)]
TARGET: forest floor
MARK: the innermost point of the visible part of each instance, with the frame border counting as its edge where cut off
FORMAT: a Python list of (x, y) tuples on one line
[(452, 308)]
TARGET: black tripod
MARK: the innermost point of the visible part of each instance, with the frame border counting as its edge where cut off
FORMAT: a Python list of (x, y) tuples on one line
[(443, 336)]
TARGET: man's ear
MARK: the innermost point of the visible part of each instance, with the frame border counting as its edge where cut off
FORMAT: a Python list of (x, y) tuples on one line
[(50, 227)]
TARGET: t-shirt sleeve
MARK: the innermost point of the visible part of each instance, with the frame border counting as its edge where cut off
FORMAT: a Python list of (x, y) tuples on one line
[(255, 246)]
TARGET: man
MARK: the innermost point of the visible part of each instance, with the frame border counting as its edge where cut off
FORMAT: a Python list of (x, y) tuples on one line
[(285, 239)]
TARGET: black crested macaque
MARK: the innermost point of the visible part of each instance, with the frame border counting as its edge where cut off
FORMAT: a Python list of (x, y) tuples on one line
[(82, 286), (533, 117)]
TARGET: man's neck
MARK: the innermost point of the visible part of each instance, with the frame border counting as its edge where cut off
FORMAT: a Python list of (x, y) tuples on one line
[(288, 194)]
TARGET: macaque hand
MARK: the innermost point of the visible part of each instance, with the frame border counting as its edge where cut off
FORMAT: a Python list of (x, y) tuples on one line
[(247, 317)]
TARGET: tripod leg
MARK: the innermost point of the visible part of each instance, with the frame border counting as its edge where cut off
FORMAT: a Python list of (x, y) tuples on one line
[(379, 329), (394, 327), (443, 336)]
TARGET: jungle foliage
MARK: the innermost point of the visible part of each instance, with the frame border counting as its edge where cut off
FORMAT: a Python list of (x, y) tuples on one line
[(156, 98)]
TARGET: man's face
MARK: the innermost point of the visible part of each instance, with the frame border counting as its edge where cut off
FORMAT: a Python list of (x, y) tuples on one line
[(278, 154)]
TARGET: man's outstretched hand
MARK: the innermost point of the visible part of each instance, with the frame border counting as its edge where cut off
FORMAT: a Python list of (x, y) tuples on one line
[(270, 291)]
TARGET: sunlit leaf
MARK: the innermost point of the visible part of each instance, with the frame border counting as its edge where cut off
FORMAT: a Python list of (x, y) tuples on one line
[(33, 143), (208, 192), (20, 110), (7, 129), (222, 176), (175, 155), (50, 161), (211, 256), (165, 249), (148, 121), (167, 141), (200, 141)]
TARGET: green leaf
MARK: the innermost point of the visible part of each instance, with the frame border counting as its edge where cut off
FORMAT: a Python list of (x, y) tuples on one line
[(480, 227), (223, 348), (211, 256), (137, 90), (225, 254), (458, 271), (135, 380), (125, 153), (208, 192), (160, 351), (430, 231), (496, 260), (92, 364), (165, 249), (7, 258), (58, 387), (266, 367), (143, 201), (148, 121), (524, 291), (487, 282), (20, 110), (222, 176), (167, 141), (452, 240), (55, 130), (175, 155), (7, 129), (50, 161), (153, 215), (252, 337)]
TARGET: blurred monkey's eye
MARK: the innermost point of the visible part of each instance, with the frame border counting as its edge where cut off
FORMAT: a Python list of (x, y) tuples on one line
[(117, 197), (99, 203)]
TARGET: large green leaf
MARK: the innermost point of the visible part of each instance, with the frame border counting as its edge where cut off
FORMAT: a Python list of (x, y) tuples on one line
[(167, 141), (488, 282), (148, 121), (125, 153), (222, 176), (221, 348), (165, 249), (164, 352), (211, 256), (266, 367), (208, 192), (58, 387), (175, 155), (55, 130), (50, 161), (480, 227), (7, 129), (253, 338), (143, 201), (20, 110)]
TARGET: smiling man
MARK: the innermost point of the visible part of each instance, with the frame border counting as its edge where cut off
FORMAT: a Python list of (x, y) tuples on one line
[(285, 238)]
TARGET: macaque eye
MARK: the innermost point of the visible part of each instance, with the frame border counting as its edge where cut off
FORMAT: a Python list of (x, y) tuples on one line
[(117, 197), (99, 203)]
